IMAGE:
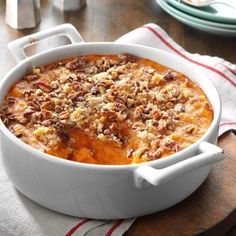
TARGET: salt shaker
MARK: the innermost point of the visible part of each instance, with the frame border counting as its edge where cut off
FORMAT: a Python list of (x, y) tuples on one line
[(69, 5), (22, 14)]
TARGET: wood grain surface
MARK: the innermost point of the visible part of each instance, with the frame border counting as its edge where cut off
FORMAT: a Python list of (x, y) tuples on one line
[(211, 210)]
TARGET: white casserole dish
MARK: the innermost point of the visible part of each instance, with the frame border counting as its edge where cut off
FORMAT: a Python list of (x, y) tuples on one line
[(100, 191)]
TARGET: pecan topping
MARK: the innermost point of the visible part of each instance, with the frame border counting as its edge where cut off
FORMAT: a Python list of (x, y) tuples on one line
[(110, 115), (155, 154), (129, 153), (44, 87), (162, 124), (31, 77), (11, 101), (129, 58), (28, 113), (76, 64), (33, 105), (169, 75), (120, 100)]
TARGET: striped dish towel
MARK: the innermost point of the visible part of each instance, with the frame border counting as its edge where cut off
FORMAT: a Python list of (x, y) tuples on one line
[(20, 216)]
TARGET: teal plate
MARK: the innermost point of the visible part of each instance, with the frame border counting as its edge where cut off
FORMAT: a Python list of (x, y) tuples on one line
[(193, 21), (202, 21), (215, 12)]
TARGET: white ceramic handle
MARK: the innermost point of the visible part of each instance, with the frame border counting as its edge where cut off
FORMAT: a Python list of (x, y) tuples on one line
[(209, 154), (17, 46)]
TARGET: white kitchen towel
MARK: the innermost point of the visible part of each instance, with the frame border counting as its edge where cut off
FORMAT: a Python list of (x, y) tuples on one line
[(20, 216)]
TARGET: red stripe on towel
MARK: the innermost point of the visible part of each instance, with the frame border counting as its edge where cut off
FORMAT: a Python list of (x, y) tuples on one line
[(228, 123), (228, 68), (114, 227), (187, 58), (72, 230)]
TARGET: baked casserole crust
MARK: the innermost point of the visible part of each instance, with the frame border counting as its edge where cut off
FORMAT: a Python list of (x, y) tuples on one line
[(107, 109)]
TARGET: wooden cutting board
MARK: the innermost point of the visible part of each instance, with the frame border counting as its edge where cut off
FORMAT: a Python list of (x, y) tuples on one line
[(210, 211)]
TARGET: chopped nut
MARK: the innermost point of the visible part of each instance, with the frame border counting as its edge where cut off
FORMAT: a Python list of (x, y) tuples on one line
[(21, 119), (139, 152), (102, 137), (46, 123), (169, 75), (11, 100), (54, 84), (114, 129), (77, 63), (121, 116), (129, 153), (155, 144), (38, 92), (155, 154), (128, 58), (172, 145), (107, 131), (28, 113), (138, 112), (190, 129), (110, 115), (31, 77), (44, 87), (94, 90), (157, 78), (155, 114), (46, 105), (162, 125), (64, 115), (179, 108)]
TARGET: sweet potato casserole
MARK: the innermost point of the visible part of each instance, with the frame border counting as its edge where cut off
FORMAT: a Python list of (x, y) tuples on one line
[(106, 109)]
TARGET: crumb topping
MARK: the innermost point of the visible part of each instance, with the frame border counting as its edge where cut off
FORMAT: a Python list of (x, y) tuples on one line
[(145, 109)]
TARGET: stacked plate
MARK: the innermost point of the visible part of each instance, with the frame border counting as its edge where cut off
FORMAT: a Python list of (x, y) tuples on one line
[(217, 18)]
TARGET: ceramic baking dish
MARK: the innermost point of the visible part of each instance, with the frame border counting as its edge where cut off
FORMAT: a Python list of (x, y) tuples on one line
[(106, 191)]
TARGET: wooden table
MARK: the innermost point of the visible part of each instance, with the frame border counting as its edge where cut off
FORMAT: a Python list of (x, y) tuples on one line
[(106, 20)]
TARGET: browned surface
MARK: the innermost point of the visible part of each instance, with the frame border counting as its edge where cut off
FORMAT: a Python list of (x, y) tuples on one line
[(209, 211), (106, 127)]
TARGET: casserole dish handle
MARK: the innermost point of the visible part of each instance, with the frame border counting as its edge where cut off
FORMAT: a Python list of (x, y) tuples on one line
[(17, 46), (146, 175)]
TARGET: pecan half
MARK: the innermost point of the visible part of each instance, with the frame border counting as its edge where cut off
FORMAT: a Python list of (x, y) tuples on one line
[(44, 87), (77, 63), (31, 78)]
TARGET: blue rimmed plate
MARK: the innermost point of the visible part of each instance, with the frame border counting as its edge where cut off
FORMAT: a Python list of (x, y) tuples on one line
[(216, 12), (196, 22)]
